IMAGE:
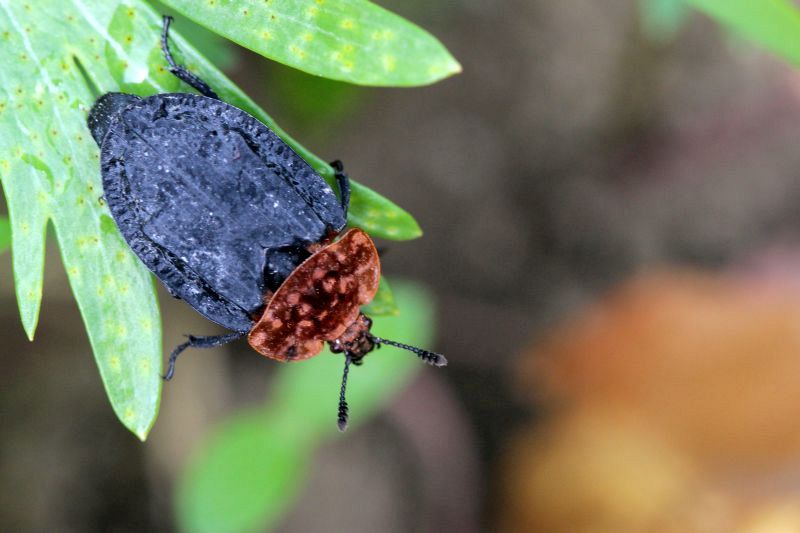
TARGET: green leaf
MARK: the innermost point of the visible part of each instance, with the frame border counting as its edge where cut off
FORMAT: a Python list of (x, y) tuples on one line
[(348, 40), (49, 173), (774, 24), (5, 234), (249, 471), (379, 216), (383, 304)]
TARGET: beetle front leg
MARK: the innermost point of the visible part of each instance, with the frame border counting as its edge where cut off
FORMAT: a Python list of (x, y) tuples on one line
[(181, 72)]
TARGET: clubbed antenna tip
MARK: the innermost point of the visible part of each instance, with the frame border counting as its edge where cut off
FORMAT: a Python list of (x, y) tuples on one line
[(432, 358), (342, 422), (343, 409)]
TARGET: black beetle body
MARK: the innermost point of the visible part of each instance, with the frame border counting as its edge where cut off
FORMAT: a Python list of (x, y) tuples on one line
[(210, 199)]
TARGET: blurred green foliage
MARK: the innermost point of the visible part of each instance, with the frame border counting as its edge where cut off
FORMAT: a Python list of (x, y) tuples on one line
[(662, 19), (774, 24), (57, 56), (248, 472)]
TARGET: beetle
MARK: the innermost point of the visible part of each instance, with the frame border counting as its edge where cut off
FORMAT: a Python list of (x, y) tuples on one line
[(232, 221)]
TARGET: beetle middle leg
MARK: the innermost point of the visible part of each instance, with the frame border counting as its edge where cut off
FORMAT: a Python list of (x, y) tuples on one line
[(199, 342), (181, 72), (343, 181)]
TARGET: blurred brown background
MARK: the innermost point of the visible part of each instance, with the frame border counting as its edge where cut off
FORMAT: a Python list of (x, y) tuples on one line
[(611, 234)]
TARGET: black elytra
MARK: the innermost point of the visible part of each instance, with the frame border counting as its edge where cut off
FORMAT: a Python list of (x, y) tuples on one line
[(211, 200), (216, 205)]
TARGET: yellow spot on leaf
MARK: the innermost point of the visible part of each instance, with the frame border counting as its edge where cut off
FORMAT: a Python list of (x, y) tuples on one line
[(130, 414), (347, 24), (297, 51), (114, 363), (312, 11), (389, 62), (267, 36), (308, 37)]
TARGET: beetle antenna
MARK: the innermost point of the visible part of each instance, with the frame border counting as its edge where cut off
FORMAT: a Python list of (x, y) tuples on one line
[(432, 358), (343, 409)]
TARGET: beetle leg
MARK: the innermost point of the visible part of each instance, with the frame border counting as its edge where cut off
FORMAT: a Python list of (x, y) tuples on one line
[(199, 342), (343, 181), (179, 71)]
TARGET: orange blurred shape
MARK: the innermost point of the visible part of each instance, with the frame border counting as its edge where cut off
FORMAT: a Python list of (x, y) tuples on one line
[(672, 405), (590, 473), (712, 362)]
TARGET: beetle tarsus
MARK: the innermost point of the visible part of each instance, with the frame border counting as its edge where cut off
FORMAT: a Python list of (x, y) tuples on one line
[(181, 72), (343, 181), (198, 342), (343, 409)]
